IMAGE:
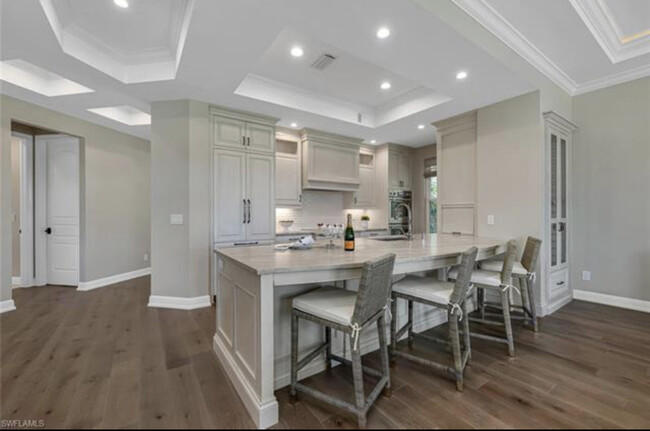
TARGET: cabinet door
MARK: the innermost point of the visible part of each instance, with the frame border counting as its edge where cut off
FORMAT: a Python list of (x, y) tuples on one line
[(365, 196), (393, 170), (404, 170), (261, 138), (261, 196), (229, 133), (558, 193), (287, 180), (229, 194)]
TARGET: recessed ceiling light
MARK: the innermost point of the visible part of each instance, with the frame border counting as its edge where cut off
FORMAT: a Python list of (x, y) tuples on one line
[(383, 33), (373, 141), (297, 51), (26, 75), (121, 3), (421, 126), (461, 75), (124, 114), (294, 125), (385, 85)]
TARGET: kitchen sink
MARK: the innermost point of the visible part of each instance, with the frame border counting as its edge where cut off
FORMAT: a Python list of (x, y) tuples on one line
[(390, 238)]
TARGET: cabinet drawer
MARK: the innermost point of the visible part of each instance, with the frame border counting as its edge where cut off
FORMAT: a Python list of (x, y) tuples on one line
[(558, 283)]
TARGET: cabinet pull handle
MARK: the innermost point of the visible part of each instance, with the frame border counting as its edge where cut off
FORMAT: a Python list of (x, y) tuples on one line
[(559, 283), (243, 140), (249, 211), (244, 201), (356, 200), (248, 139), (300, 198)]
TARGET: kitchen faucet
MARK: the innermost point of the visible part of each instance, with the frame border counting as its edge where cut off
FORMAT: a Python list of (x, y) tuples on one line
[(409, 235)]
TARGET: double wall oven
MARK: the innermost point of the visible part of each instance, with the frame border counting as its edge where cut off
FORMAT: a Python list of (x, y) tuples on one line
[(398, 221)]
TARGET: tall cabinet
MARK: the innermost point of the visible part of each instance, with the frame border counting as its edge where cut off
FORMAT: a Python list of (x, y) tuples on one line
[(557, 208), (243, 178)]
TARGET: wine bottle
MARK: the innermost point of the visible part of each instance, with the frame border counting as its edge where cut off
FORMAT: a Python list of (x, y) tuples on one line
[(349, 235)]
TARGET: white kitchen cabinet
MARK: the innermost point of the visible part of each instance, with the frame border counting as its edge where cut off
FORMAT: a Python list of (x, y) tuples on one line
[(329, 162), (243, 131), (288, 181), (364, 196), (244, 204), (399, 170)]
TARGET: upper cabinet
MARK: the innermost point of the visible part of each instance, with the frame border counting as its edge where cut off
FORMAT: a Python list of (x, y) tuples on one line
[(243, 131), (329, 162), (364, 196), (399, 170), (288, 181)]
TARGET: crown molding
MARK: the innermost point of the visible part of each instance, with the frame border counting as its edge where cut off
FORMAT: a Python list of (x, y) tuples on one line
[(494, 22), (601, 23)]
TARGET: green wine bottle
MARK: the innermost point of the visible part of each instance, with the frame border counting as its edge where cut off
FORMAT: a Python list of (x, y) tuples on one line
[(349, 235)]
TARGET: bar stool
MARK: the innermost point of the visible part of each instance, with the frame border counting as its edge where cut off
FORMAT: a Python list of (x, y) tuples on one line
[(441, 294), (351, 313), (525, 273), (501, 282)]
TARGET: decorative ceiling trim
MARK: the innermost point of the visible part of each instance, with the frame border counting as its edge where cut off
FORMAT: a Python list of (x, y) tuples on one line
[(603, 26), (158, 64), (494, 22)]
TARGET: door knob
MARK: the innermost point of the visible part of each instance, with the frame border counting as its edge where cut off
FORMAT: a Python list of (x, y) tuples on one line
[(48, 230)]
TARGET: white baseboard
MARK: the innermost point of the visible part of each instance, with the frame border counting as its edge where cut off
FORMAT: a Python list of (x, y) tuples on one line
[(614, 301), (16, 281), (557, 304), (178, 303), (107, 281), (264, 415), (6, 306)]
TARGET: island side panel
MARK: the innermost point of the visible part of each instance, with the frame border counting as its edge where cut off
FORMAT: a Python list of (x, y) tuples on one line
[(243, 339)]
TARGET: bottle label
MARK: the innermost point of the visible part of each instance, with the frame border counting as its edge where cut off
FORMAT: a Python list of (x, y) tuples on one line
[(349, 245)]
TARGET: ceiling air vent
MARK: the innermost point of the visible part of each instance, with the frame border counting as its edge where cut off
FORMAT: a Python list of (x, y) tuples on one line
[(323, 61)]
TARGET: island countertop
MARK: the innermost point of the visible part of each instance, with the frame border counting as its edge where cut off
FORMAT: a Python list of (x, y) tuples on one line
[(268, 260)]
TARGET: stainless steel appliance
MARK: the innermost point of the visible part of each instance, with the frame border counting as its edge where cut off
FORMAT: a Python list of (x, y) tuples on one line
[(398, 221)]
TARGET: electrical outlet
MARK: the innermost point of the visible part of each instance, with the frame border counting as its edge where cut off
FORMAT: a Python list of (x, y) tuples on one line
[(586, 275), (490, 220), (176, 219), (145, 257)]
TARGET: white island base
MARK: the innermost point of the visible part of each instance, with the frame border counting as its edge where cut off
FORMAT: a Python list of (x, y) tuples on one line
[(254, 290)]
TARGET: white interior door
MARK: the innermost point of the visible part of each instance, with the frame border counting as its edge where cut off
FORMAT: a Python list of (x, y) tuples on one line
[(62, 211)]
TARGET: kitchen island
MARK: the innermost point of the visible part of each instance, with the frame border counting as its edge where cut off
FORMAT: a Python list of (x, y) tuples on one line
[(254, 290)]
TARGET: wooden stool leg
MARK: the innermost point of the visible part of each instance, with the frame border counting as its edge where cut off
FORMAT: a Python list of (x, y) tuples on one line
[(357, 373), (393, 329), (410, 332), (294, 353), (525, 301), (454, 337), (328, 349), (466, 333), (383, 348), (505, 303), (530, 288)]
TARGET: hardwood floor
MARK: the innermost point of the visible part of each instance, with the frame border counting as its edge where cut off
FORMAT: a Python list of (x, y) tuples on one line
[(102, 359)]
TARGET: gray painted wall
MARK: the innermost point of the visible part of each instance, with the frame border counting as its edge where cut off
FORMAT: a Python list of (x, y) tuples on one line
[(611, 190), (180, 178), (115, 195)]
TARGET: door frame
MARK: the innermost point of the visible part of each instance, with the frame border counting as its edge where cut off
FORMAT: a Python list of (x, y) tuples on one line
[(40, 203), (26, 277)]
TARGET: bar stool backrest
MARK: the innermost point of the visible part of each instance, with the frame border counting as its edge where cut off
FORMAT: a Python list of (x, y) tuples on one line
[(461, 286), (508, 263), (531, 254), (374, 288)]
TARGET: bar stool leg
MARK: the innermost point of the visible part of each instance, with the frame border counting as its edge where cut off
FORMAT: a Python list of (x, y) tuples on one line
[(467, 333), (410, 332), (328, 349), (481, 301), (294, 354), (529, 286), (525, 301), (393, 329), (454, 337), (505, 303), (357, 373), (383, 347)]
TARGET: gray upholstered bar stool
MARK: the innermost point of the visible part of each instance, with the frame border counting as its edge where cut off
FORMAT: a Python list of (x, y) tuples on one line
[(525, 272), (502, 283), (441, 294), (349, 312)]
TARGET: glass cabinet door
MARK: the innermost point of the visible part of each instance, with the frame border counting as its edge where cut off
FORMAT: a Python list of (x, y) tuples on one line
[(558, 204)]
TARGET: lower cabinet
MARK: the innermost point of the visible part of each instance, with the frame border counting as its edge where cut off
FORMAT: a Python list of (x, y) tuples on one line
[(244, 196)]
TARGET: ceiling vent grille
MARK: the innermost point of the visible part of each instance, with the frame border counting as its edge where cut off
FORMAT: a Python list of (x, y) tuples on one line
[(323, 61)]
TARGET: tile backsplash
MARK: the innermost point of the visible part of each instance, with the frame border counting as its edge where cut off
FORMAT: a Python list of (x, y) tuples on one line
[(324, 207)]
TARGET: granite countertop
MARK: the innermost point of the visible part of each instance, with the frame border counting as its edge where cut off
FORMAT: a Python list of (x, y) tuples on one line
[(267, 260), (314, 231)]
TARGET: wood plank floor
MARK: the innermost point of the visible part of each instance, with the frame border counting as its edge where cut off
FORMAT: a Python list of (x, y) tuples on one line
[(102, 359)]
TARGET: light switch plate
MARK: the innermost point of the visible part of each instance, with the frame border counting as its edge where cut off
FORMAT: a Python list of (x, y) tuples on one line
[(490, 220), (176, 219), (586, 275)]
